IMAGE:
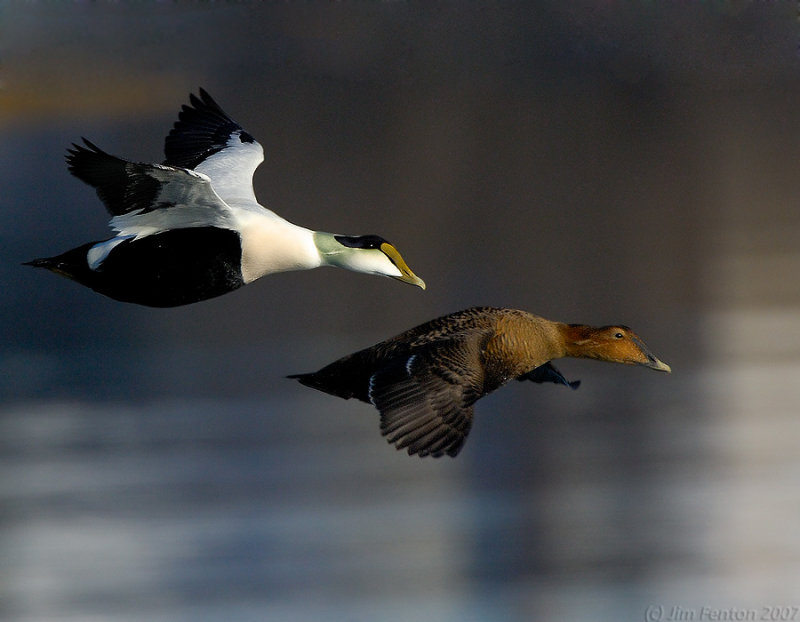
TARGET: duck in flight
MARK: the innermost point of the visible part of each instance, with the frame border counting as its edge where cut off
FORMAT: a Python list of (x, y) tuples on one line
[(191, 228), (425, 381)]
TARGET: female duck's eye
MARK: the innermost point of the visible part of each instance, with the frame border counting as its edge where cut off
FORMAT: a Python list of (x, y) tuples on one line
[(618, 336)]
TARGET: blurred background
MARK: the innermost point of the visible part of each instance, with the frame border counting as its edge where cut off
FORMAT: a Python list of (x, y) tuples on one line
[(594, 162)]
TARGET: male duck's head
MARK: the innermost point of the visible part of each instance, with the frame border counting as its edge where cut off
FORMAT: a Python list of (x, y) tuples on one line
[(365, 253)]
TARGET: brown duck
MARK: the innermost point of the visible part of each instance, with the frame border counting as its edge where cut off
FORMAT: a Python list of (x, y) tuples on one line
[(425, 381)]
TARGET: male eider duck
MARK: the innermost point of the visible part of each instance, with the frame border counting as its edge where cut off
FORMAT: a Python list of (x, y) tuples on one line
[(191, 228), (425, 381)]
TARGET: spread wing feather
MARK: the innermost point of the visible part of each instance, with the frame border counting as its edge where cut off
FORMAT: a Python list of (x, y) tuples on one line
[(205, 139), (426, 399), (148, 198)]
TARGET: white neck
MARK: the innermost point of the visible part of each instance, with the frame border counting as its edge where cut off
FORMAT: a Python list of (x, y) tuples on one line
[(272, 244)]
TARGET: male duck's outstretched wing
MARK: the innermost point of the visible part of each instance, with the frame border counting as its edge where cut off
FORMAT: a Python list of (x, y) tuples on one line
[(148, 198), (206, 140)]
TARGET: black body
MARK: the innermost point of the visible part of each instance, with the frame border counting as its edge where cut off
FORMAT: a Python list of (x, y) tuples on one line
[(167, 269)]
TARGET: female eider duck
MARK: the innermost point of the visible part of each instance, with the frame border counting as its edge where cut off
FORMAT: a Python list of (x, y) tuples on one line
[(191, 228), (425, 381)]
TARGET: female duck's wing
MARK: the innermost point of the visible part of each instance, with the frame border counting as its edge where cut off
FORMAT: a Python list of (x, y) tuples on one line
[(549, 373), (425, 399), (206, 140), (148, 198)]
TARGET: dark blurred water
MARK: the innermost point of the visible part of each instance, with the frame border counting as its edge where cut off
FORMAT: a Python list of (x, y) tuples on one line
[(589, 163)]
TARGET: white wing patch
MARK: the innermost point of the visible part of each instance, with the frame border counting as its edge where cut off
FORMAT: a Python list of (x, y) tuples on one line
[(231, 171), (98, 253)]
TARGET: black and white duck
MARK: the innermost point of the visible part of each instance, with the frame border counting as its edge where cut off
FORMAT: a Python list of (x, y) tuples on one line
[(191, 228)]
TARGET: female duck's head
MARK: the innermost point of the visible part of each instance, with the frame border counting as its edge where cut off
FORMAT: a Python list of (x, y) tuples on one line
[(616, 344)]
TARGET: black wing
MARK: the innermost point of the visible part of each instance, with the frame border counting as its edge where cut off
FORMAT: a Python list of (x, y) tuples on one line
[(125, 187), (202, 129)]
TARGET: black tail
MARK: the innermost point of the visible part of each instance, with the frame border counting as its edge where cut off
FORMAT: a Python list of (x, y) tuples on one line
[(71, 264), (44, 262), (330, 384), (306, 379), (55, 264)]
